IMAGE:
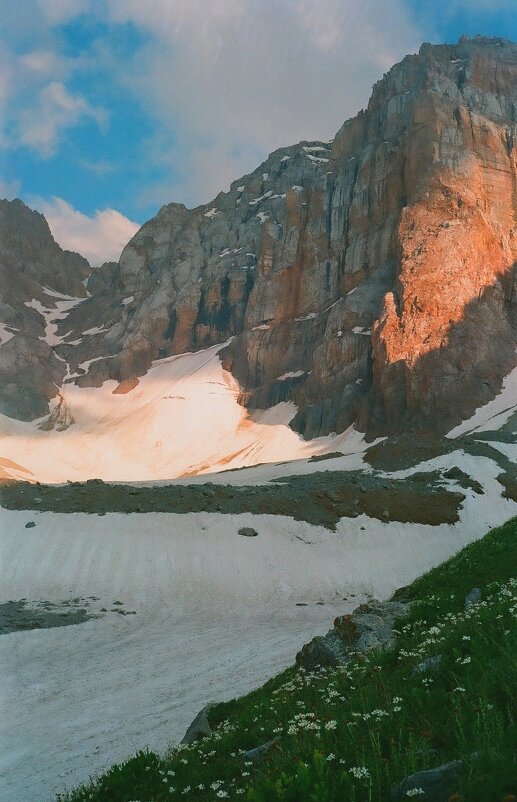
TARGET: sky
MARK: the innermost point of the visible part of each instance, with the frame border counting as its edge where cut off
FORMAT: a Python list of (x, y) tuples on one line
[(111, 108)]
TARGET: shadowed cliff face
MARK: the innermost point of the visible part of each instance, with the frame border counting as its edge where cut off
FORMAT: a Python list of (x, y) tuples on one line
[(34, 273), (370, 279)]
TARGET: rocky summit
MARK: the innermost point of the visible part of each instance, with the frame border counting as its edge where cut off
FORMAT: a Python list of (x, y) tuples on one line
[(370, 279)]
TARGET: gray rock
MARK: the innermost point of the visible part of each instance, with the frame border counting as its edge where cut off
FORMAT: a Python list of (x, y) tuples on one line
[(429, 664), (30, 524), (324, 650), (247, 531), (200, 726), (473, 597), (259, 752), (438, 783), (369, 627)]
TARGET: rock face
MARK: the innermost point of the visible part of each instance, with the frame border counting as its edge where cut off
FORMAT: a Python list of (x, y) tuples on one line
[(370, 279), (34, 273)]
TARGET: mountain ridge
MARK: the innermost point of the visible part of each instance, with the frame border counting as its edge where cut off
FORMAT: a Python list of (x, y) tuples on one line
[(352, 276)]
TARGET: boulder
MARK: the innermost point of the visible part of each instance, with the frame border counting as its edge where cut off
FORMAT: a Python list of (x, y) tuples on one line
[(368, 628), (437, 784), (199, 728)]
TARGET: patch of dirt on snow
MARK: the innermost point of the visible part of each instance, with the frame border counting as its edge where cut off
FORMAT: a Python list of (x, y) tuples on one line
[(16, 616), (321, 498)]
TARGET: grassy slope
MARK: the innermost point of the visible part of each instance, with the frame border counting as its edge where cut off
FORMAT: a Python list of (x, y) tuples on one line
[(353, 733)]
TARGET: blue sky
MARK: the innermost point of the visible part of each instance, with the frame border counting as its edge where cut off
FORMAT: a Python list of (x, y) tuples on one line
[(110, 108)]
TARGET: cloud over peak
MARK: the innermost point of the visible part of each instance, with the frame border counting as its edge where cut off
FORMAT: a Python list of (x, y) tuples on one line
[(100, 238)]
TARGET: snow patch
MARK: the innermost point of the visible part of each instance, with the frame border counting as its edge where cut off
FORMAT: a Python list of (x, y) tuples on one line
[(95, 330), (228, 252), (6, 335), (291, 375), (494, 414), (211, 213), (317, 159), (52, 316), (61, 295), (316, 149), (265, 196)]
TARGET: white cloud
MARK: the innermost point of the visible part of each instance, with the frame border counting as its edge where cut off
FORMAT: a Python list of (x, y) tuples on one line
[(56, 109), (42, 62), (9, 189), (100, 238), (234, 76), (100, 167)]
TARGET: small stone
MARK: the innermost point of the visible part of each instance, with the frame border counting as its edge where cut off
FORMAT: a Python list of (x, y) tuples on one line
[(473, 597), (259, 752), (29, 524), (430, 664), (247, 531)]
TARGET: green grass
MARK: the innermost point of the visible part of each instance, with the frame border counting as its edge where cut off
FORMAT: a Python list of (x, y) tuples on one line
[(349, 735)]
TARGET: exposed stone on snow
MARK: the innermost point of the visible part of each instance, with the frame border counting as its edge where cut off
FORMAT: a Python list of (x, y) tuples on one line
[(248, 531)]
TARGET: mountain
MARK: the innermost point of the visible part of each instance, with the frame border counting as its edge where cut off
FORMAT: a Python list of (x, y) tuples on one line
[(369, 280), (343, 290), (34, 273)]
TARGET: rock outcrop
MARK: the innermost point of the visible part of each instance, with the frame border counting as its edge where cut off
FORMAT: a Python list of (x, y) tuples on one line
[(368, 628), (370, 279), (36, 276)]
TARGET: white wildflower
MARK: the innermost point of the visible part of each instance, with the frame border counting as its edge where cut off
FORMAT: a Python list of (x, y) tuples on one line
[(359, 772)]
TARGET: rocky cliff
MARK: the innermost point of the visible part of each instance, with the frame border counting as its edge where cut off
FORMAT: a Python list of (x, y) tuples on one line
[(370, 279), (37, 280)]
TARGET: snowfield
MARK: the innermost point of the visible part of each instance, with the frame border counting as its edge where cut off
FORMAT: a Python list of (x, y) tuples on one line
[(193, 612), (181, 419), (216, 616)]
